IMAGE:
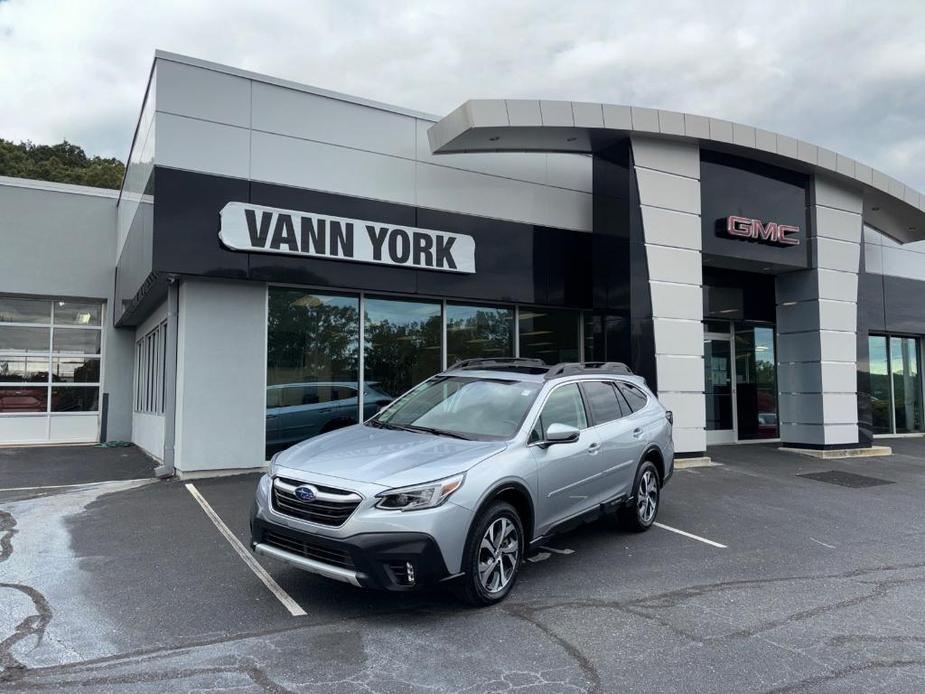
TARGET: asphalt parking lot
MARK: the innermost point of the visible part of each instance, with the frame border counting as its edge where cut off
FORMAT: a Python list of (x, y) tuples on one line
[(120, 583)]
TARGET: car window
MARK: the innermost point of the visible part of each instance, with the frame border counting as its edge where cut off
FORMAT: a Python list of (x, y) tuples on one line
[(272, 398), (563, 406), (635, 397), (602, 401)]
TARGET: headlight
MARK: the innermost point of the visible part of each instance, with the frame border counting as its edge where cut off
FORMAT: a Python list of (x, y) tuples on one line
[(271, 468), (419, 496)]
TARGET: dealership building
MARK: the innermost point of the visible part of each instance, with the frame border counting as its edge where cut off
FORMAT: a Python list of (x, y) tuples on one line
[(282, 260)]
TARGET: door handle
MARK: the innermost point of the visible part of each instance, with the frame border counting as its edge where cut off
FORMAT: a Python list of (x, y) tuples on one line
[(637, 433), (594, 448)]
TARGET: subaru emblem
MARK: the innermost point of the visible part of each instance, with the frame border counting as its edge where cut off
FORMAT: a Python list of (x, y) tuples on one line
[(304, 493)]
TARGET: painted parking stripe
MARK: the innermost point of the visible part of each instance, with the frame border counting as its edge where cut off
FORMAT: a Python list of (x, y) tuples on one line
[(294, 608), (690, 535)]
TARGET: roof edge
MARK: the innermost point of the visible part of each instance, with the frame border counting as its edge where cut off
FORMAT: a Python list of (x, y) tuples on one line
[(480, 125), (290, 84), (54, 187)]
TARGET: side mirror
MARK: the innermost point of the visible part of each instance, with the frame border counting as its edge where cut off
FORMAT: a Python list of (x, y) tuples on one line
[(561, 433)]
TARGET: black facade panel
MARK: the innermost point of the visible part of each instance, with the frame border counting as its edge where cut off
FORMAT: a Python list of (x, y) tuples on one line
[(508, 267), (733, 186), (754, 293), (515, 262), (186, 224)]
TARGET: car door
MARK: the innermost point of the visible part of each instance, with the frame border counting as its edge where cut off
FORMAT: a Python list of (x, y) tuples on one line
[(640, 421), (620, 450), (565, 471)]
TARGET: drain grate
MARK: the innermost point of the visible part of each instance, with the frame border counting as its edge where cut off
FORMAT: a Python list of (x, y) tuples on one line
[(845, 479)]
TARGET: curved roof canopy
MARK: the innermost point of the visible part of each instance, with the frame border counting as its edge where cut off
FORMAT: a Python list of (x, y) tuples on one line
[(525, 125)]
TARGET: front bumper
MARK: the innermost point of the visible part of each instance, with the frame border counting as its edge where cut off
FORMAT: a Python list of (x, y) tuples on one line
[(391, 560)]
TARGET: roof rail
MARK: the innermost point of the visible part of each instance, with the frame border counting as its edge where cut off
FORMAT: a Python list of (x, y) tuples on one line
[(496, 361), (588, 367)]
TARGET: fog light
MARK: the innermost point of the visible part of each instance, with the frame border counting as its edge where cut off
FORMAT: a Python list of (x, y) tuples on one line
[(409, 567)]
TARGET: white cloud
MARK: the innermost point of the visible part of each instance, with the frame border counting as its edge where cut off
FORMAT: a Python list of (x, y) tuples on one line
[(845, 75)]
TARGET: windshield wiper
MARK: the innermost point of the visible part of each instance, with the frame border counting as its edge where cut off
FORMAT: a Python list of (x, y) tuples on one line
[(437, 432)]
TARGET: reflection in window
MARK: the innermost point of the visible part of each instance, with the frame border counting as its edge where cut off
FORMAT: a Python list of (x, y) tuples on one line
[(77, 313), (402, 343), (16, 400), (880, 400), (32, 344), (312, 365), (550, 335), (24, 310), (76, 370), (79, 340), (895, 384), (24, 368), (74, 399), (907, 388), (478, 331), (756, 387), (24, 339)]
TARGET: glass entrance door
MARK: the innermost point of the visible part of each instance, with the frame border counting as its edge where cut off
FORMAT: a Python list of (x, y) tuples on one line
[(740, 384), (719, 387)]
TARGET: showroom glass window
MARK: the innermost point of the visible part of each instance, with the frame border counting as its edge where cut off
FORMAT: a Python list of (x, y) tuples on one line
[(478, 331), (895, 384), (49, 355), (550, 335), (402, 343), (312, 364)]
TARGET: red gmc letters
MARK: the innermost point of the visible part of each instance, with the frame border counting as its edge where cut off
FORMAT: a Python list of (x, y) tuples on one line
[(772, 232)]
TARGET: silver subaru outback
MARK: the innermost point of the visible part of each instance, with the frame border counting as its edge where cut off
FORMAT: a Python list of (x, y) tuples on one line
[(461, 476)]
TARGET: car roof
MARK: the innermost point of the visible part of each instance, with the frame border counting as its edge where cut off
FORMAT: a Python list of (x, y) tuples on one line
[(525, 369)]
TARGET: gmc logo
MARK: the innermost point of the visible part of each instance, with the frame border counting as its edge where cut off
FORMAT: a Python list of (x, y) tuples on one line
[(772, 232)]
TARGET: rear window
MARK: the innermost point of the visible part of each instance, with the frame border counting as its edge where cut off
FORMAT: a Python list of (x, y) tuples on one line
[(634, 397), (602, 399)]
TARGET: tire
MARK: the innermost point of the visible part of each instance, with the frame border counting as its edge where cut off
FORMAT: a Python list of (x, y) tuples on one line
[(643, 509), (480, 587)]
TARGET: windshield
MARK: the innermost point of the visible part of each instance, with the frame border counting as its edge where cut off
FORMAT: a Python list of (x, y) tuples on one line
[(469, 408)]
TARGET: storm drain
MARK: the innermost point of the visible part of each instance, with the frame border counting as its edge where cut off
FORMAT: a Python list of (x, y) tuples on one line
[(845, 479)]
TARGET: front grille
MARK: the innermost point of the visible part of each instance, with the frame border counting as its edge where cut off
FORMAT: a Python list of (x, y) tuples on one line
[(324, 512), (310, 550)]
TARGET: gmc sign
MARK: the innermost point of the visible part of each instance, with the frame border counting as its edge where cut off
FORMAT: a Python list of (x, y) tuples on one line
[(756, 230)]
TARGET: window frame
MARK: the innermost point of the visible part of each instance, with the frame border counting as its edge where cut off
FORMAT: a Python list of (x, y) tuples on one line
[(50, 355), (622, 405), (149, 396), (539, 412), (632, 386), (920, 360)]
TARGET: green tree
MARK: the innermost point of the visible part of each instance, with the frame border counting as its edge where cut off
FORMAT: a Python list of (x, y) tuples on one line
[(61, 163)]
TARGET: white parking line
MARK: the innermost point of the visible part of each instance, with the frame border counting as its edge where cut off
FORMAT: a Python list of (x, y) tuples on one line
[(294, 608), (690, 535)]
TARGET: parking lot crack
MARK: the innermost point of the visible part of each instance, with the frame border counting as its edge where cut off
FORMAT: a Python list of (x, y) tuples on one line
[(529, 615)]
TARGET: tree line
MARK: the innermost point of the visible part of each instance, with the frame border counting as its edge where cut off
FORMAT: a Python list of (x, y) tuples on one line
[(61, 163)]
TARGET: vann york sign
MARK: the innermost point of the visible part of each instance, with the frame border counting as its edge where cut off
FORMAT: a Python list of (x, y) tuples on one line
[(259, 229), (756, 230)]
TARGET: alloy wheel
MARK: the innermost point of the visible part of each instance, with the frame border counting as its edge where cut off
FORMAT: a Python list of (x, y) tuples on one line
[(499, 552), (647, 497)]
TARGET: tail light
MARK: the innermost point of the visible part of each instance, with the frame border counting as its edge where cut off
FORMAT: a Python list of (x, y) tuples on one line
[(669, 415)]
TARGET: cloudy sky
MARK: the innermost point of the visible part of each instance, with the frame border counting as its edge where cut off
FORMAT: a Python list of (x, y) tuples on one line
[(846, 75)]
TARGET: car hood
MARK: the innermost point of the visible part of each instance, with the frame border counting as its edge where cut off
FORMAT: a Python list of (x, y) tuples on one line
[(386, 457)]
